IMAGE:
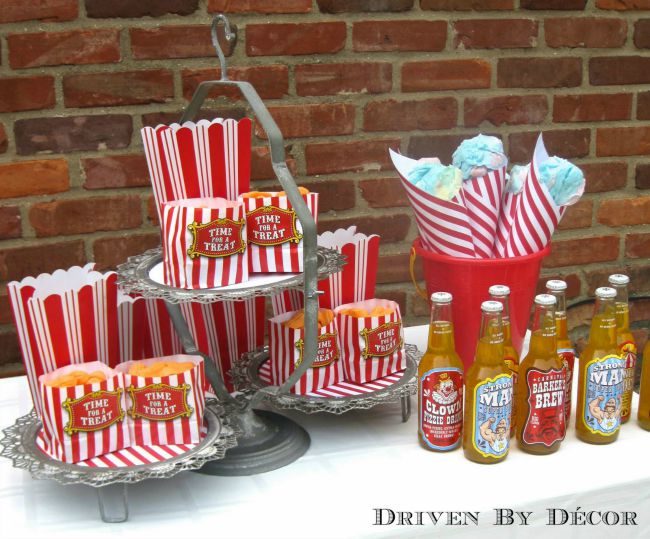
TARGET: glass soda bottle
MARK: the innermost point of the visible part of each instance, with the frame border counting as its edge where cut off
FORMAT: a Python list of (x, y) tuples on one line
[(501, 293), (644, 390), (565, 347), (488, 393), (541, 388), (601, 376), (625, 341), (440, 382)]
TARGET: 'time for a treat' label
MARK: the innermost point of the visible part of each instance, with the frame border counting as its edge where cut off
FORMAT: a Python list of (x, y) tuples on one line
[(604, 381), (441, 408), (94, 411), (491, 416), (382, 341), (545, 423), (159, 402), (270, 225), (218, 238), (327, 350)]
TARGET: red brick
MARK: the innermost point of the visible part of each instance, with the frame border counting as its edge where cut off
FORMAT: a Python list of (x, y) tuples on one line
[(624, 211), (495, 33), (4, 142), (27, 178), (622, 141), (259, 6), (10, 357), (5, 309), (563, 143), (100, 46), (539, 72), (572, 281), (333, 79), (109, 252), (398, 296), (553, 4), (355, 156), (578, 216), (72, 133), (118, 88), (643, 105), (467, 5), (642, 34), (445, 75), (312, 120), (394, 268), (9, 222), (391, 228), (440, 146), (356, 6), (153, 119), (271, 39), (637, 245), (619, 70), (44, 10), (604, 176), (115, 171), (384, 193), (101, 9), (78, 216), (642, 176), (261, 167), (374, 36), (187, 41), (334, 195), (623, 5), (391, 115), (592, 32), (26, 93), (270, 82), (592, 107), (639, 279), (578, 251), (152, 212), (19, 262), (508, 110)]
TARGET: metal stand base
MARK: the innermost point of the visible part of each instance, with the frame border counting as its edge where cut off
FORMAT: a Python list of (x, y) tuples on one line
[(270, 441), (113, 503)]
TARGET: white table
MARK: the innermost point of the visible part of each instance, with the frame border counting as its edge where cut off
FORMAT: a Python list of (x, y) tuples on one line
[(357, 462)]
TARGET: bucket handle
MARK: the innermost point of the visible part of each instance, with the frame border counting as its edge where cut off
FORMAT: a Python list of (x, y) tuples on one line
[(412, 269)]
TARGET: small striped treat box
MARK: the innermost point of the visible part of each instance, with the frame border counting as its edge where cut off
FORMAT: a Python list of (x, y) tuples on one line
[(286, 351), (86, 420), (372, 347), (165, 410)]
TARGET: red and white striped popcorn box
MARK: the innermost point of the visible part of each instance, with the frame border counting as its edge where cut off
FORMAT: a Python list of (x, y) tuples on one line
[(160, 337), (371, 346), (132, 326), (165, 410), (286, 354), (444, 225), (204, 243), (84, 421), (275, 233), (288, 301), (197, 160)]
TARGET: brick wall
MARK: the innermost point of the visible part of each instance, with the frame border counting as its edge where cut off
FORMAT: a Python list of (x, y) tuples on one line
[(345, 80)]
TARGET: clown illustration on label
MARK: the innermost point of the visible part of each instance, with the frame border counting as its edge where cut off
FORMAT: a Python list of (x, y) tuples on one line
[(545, 423), (568, 356), (441, 408), (493, 408), (628, 353), (603, 395)]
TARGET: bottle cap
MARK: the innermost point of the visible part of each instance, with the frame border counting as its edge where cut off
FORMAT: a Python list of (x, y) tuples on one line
[(545, 299), (441, 297), (492, 306), (605, 292), (499, 290), (555, 285), (618, 279)]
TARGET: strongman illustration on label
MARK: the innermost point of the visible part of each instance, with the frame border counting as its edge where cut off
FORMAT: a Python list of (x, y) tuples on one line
[(498, 439), (608, 417)]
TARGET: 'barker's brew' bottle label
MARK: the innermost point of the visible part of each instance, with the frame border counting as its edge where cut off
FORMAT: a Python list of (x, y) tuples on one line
[(441, 409), (492, 413), (545, 423), (604, 381)]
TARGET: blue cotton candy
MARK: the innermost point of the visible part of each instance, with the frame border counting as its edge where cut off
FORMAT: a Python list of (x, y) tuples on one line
[(565, 181), (516, 179), (441, 181), (476, 156)]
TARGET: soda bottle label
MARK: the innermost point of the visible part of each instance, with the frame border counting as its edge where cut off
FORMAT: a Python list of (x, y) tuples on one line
[(604, 381), (441, 408), (628, 353), (568, 356), (545, 423), (491, 417)]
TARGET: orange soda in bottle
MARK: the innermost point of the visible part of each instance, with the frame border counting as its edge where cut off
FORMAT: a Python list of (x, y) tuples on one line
[(488, 393), (565, 347), (644, 390), (625, 341), (501, 293), (440, 382), (541, 388), (601, 376)]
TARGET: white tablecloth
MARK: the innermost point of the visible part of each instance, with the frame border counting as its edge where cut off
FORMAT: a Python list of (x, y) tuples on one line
[(359, 462)]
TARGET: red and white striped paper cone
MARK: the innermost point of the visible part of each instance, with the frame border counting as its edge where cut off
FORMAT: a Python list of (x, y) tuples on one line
[(506, 219), (165, 410), (204, 243), (286, 353), (132, 327), (84, 421), (196, 160), (482, 198), (372, 346), (444, 225), (275, 234)]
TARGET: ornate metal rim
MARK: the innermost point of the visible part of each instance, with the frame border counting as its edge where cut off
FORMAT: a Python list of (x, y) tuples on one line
[(246, 379), (133, 277), (19, 445)]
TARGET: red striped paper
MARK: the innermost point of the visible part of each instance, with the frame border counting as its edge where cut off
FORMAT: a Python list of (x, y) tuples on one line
[(506, 219)]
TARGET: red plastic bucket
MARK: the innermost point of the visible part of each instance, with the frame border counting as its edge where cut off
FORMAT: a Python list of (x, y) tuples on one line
[(468, 280)]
